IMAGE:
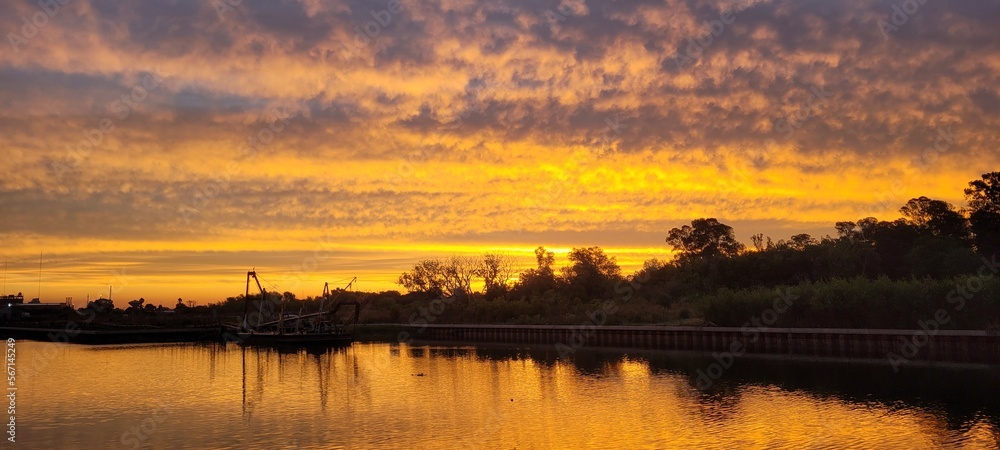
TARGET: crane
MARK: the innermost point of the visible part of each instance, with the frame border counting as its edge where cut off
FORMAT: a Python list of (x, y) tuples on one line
[(246, 296)]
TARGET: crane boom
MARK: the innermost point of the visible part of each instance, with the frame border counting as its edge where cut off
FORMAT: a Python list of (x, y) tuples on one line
[(246, 295)]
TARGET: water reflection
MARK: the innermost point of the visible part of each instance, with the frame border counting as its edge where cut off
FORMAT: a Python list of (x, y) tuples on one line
[(376, 395), (315, 364)]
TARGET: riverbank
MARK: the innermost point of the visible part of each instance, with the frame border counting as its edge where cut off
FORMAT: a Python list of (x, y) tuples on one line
[(895, 346), (116, 336)]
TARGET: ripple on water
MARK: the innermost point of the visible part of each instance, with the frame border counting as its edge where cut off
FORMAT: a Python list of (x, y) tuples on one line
[(374, 395)]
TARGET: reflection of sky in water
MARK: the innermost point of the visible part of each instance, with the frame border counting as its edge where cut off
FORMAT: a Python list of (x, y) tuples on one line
[(380, 395)]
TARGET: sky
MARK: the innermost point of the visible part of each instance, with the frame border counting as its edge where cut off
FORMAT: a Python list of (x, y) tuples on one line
[(167, 147)]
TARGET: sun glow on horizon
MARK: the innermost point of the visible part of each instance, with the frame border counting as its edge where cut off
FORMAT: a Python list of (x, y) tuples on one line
[(182, 149)]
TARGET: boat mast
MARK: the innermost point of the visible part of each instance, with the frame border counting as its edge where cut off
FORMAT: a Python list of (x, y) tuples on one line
[(246, 302), (281, 316)]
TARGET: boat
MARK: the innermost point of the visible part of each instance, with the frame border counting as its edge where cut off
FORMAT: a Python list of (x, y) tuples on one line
[(323, 328)]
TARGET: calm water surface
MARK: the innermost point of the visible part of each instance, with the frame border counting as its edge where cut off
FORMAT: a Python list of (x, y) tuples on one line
[(378, 395)]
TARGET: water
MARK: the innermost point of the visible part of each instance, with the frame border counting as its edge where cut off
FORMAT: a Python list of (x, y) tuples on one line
[(379, 395)]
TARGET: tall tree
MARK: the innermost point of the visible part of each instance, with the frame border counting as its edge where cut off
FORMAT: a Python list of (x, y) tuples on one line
[(592, 271), (541, 278), (846, 230), (704, 238), (801, 241), (936, 217), (428, 276), (983, 196), (496, 270), (459, 272)]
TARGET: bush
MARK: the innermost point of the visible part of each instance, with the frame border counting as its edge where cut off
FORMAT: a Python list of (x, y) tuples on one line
[(864, 303)]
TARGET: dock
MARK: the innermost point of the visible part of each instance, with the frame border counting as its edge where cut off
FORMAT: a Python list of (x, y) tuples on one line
[(124, 336)]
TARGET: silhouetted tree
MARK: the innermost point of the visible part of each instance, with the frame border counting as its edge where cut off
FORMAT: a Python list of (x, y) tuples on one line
[(892, 241), (704, 238), (591, 271), (496, 270), (459, 272), (539, 279), (936, 217), (847, 230), (801, 241), (983, 196), (427, 276)]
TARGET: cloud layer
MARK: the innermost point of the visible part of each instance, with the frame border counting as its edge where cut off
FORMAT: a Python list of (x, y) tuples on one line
[(178, 126)]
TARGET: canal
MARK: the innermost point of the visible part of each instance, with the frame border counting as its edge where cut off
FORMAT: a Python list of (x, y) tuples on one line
[(453, 395)]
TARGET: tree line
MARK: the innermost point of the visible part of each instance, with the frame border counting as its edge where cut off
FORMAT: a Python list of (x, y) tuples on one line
[(933, 239)]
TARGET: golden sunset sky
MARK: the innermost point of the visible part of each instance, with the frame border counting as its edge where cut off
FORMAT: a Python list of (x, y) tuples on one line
[(167, 147)]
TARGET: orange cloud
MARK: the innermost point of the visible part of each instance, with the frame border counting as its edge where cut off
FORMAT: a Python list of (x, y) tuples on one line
[(481, 125)]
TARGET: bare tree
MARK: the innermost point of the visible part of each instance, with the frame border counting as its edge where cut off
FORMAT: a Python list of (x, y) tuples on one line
[(442, 278), (460, 271), (496, 270)]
